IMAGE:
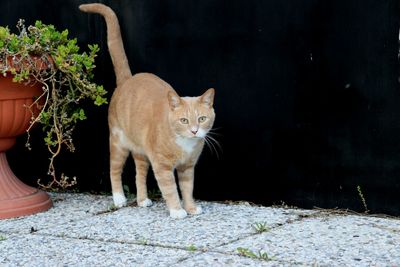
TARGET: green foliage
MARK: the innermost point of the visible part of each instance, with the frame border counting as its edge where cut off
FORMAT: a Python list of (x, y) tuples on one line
[(361, 195), (111, 208), (250, 254), (2, 238), (260, 227), (192, 248), (154, 194), (41, 54), (128, 193)]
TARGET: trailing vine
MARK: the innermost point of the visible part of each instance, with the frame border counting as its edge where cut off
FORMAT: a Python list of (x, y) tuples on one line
[(41, 54)]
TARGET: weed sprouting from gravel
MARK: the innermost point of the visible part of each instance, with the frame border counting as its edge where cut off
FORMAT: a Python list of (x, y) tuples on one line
[(128, 193), (260, 227), (364, 202), (261, 255), (192, 248)]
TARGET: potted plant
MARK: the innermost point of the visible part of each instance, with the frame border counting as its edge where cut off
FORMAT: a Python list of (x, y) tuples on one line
[(44, 78)]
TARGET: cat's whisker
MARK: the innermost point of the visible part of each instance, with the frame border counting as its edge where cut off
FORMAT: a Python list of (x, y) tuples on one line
[(216, 148), (214, 144), (209, 146), (214, 134), (213, 131), (212, 147), (216, 128), (215, 141)]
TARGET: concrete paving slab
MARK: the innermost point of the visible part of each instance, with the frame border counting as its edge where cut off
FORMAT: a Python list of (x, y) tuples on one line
[(39, 250), (219, 224), (216, 259), (67, 208), (329, 241), (81, 230)]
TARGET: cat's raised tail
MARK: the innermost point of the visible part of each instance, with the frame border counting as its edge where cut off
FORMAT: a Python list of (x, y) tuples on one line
[(114, 40)]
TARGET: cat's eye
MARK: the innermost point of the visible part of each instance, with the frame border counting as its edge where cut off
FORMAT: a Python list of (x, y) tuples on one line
[(184, 121), (202, 119)]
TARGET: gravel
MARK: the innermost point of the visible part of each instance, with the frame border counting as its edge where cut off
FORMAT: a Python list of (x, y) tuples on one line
[(82, 230)]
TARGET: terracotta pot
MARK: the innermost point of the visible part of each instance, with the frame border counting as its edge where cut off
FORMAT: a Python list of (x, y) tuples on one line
[(16, 198)]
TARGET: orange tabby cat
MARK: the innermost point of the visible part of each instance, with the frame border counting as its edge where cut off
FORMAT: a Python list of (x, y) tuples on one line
[(148, 119)]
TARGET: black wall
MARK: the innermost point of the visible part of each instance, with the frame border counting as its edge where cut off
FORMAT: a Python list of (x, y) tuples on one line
[(307, 103)]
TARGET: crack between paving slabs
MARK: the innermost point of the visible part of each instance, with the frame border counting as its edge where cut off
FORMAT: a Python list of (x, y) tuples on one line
[(320, 213), (300, 217), (61, 199), (147, 244), (199, 252)]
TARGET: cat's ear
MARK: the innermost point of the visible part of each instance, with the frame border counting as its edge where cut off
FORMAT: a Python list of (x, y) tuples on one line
[(208, 97), (174, 100)]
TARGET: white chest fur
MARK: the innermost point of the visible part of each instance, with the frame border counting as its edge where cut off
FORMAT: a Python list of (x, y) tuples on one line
[(187, 144)]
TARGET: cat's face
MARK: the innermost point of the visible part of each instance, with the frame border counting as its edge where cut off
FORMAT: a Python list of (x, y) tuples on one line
[(191, 117)]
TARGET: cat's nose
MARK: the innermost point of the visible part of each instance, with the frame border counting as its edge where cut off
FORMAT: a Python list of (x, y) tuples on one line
[(194, 130)]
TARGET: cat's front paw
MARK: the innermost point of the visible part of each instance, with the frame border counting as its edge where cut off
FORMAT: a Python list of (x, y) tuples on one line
[(119, 200), (177, 214), (145, 203), (194, 210)]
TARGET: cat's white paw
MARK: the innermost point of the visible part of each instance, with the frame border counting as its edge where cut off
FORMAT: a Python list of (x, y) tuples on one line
[(145, 203), (198, 210), (119, 200), (194, 210), (177, 214)]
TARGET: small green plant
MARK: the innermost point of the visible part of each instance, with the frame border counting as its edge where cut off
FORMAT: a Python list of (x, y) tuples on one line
[(41, 54), (102, 193), (192, 248), (112, 207), (128, 193), (361, 195), (2, 238), (154, 194), (143, 241), (260, 227), (245, 252)]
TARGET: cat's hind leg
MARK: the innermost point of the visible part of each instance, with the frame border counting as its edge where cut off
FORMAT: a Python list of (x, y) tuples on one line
[(142, 167), (118, 155)]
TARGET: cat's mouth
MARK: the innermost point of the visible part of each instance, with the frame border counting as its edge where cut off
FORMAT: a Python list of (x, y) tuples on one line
[(192, 136), (200, 134)]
